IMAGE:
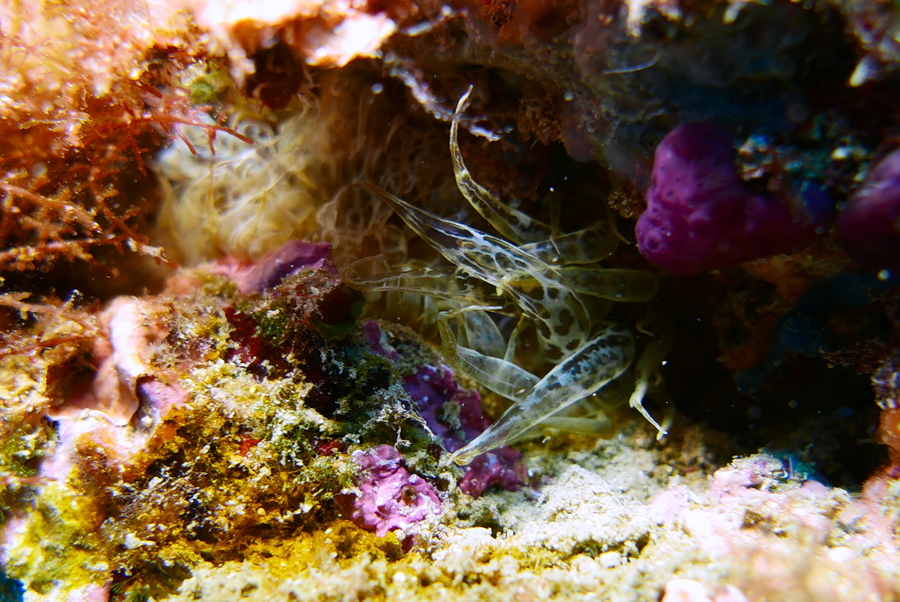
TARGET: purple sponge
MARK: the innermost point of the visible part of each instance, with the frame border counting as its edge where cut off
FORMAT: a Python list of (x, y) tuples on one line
[(390, 497), (869, 227), (700, 214), (433, 389)]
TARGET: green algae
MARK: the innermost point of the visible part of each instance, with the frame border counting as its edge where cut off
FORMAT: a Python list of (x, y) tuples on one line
[(61, 545), (211, 85), (233, 467)]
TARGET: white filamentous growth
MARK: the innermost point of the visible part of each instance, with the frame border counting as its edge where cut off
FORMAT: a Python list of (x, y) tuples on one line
[(246, 199)]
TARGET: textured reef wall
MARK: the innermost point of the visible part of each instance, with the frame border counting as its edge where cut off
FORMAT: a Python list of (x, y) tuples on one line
[(323, 300)]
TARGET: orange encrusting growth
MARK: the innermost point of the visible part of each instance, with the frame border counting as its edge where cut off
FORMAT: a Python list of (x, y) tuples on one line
[(889, 432)]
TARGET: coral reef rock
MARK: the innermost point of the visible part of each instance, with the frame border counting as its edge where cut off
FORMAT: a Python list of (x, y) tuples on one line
[(320, 300)]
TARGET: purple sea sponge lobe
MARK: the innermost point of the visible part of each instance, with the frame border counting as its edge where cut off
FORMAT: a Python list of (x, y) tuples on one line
[(390, 497), (869, 226), (702, 216)]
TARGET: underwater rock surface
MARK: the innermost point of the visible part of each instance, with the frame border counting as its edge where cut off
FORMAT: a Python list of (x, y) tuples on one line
[(267, 270)]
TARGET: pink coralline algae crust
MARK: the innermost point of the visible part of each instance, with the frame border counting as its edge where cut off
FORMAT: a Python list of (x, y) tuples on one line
[(126, 385), (869, 227), (432, 388), (700, 214), (753, 514), (129, 329), (688, 590), (390, 498)]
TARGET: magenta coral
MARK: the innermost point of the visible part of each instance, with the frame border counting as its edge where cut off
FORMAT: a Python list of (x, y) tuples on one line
[(869, 227), (378, 342), (390, 497), (455, 416), (700, 214), (501, 467)]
